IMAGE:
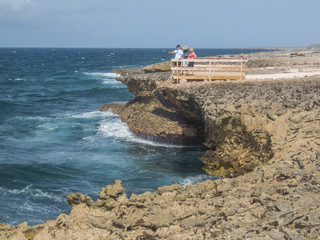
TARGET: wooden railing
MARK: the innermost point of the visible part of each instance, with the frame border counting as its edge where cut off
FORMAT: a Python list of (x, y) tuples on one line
[(212, 68)]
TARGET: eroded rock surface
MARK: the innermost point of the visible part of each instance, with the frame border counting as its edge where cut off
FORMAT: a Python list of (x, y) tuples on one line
[(265, 134), (153, 117), (112, 107)]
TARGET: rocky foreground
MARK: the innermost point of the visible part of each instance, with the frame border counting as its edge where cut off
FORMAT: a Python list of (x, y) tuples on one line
[(262, 136)]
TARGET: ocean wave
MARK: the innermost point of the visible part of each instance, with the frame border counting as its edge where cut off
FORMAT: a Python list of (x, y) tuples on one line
[(118, 130), (95, 125), (107, 78), (108, 75), (7, 104), (55, 117), (112, 82), (196, 179), (28, 118), (29, 191), (114, 128), (91, 115)]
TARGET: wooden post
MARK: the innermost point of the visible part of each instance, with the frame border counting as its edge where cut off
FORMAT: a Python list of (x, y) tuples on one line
[(210, 71), (241, 69), (173, 72), (178, 71)]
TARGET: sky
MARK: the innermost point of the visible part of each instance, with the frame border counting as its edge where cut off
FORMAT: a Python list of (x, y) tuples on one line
[(159, 23)]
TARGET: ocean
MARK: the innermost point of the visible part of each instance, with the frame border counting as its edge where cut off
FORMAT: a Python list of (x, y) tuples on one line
[(54, 141)]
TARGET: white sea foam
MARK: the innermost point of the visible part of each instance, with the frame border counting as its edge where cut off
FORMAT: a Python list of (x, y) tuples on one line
[(88, 139), (36, 118), (112, 82), (110, 126), (107, 78), (115, 128), (108, 75), (196, 179), (30, 191), (39, 193), (89, 115)]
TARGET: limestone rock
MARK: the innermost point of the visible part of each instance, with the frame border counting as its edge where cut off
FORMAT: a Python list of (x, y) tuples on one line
[(112, 107), (78, 198), (113, 191), (158, 67), (139, 83), (264, 134)]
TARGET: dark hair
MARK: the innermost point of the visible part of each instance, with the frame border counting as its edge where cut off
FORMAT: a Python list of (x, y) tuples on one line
[(178, 46)]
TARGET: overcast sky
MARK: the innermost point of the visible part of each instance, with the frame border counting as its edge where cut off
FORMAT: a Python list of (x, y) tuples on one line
[(159, 23)]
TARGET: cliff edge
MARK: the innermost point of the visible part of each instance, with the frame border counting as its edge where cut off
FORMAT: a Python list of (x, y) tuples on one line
[(264, 133)]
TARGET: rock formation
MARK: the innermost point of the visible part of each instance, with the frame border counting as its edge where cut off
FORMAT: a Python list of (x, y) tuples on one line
[(154, 117), (264, 134)]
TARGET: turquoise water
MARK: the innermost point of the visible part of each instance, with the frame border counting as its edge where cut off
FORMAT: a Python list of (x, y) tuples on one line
[(53, 139)]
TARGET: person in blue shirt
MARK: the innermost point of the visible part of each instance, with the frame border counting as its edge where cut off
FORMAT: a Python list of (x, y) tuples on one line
[(178, 52), (178, 55)]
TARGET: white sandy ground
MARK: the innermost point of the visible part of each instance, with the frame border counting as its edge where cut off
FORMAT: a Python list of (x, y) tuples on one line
[(283, 75)]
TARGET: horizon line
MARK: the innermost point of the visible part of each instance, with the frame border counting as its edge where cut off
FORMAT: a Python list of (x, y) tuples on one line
[(260, 47)]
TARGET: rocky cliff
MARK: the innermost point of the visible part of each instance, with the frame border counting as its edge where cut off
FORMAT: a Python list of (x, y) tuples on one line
[(195, 114), (265, 134)]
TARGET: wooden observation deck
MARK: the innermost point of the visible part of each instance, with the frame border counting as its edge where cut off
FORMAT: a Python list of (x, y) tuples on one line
[(212, 68)]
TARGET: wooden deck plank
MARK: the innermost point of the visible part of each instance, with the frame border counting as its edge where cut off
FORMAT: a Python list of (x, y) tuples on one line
[(210, 69), (211, 60), (213, 77), (213, 73), (219, 65)]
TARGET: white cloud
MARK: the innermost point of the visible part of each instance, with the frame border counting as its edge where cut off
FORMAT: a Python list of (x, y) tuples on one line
[(15, 5), (18, 12)]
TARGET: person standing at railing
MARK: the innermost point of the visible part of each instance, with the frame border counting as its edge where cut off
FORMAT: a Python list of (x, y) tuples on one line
[(178, 53), (185, 55), (192, 55)]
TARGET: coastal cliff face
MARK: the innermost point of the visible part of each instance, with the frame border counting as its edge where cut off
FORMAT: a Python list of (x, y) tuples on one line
[(232, 119), (264, 134), (194, 114), (154, 117)]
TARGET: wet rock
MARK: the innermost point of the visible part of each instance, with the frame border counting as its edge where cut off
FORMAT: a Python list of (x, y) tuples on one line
[(112, 107), (150, 119)]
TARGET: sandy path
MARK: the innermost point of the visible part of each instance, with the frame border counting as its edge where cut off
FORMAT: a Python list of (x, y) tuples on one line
[(282, 75)]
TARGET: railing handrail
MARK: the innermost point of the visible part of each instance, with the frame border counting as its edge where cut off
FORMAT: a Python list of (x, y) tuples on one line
[(211, 60), (209, 68)]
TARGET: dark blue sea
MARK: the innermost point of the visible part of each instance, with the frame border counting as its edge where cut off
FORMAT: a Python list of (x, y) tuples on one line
[(54, 141)]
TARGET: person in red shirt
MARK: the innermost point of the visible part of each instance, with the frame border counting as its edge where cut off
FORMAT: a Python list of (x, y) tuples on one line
[(192, 55)]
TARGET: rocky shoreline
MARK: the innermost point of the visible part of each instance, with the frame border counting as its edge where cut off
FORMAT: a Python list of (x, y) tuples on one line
[(262, 135)]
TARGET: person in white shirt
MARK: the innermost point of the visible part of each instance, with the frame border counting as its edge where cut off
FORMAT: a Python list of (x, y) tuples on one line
[(178, 53)]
